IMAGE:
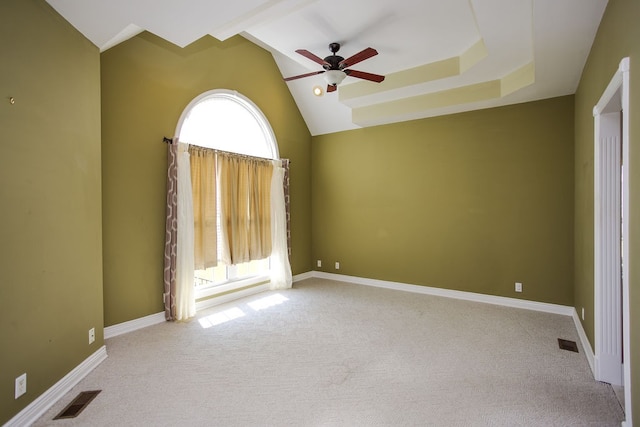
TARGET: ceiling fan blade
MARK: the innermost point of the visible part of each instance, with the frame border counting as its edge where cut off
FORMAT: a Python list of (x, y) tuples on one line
[(303, 75), (358, 57), (331, 88), (366, 76), (312, 57)]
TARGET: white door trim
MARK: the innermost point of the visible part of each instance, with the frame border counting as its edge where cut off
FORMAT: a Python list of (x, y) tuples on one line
[(611, 304)]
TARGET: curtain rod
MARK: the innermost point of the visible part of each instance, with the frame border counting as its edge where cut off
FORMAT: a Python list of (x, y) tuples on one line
[(170, 141)]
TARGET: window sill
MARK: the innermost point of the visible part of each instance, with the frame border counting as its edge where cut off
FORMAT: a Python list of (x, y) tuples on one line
[(228, 287)]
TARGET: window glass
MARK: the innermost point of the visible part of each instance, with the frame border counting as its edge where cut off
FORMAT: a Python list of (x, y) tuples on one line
[(222, 122), (227, 121)]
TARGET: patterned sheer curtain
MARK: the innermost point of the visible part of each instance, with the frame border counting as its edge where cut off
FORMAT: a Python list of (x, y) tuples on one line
[(281, 277), (171, 232), (287, 202), (179, 301)]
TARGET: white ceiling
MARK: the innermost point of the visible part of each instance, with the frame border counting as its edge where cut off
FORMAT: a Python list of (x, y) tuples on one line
[(438, 56)]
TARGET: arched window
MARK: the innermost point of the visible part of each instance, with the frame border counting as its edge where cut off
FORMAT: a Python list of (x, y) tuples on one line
[(228, 121)]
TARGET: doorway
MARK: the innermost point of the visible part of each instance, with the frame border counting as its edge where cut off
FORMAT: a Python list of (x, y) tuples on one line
[(611, 225)]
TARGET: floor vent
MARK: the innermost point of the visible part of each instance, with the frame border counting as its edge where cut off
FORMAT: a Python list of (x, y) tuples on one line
[(568, 345), (77, 405)]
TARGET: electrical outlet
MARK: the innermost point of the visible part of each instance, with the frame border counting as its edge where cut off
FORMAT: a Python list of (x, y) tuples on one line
[(337, 265), (319, 263), (92, 335), (518, 287), (21, 385)]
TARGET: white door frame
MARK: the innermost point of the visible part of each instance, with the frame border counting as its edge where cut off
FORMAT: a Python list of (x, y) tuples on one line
[(612, 338)]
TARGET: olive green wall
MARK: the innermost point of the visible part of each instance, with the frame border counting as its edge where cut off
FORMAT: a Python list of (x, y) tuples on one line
[(146, 84), (617, 37), (474, 201), (51, 263)]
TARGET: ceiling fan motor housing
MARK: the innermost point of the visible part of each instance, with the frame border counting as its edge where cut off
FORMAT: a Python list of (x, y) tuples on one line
[(333, 61)]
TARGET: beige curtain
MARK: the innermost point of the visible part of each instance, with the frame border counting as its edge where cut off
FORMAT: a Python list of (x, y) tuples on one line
[(260, 174), (245, 206), (203, 187)]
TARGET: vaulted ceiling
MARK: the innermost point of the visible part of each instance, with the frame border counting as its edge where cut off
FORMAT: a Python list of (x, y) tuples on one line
[(438, 56)]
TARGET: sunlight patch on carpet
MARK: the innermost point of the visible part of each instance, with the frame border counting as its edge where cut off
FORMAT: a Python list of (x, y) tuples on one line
[(221, 317), (267, 302)]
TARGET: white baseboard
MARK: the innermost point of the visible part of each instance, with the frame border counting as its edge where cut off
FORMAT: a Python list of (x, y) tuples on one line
[(448, 293), (586, 345), (42, 403), (133, 325), (303, 276)]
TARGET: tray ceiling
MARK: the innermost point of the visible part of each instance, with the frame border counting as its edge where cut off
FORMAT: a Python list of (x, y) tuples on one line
[(439, 57)]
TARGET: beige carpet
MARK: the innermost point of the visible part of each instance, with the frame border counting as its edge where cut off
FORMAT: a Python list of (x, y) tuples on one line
[(334, 354)]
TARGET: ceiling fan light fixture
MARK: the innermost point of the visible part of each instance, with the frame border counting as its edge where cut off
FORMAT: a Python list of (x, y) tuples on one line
[(334, 77)]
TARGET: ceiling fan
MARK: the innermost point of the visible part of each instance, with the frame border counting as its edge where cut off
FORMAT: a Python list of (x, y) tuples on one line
[(335, 66)]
